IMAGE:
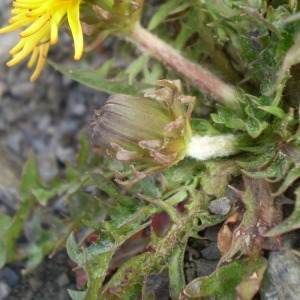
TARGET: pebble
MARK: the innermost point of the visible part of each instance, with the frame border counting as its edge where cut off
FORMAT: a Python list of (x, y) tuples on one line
[(220, 206), (205, 267), (159, 284), (35, 283), (22, 89), (4, 290), (62, 280), (14, 141), (2, 89), (65, 154), (7, 42), (211, 233), (10, 276), (211, 252), (282, 278), (48, 168), (8, 280)]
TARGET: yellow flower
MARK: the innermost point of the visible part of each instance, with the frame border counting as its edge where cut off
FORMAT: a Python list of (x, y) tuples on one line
[(42, 18)]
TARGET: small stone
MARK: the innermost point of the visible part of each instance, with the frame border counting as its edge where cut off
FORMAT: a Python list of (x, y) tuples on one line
[(205, 267), (14, 141), (47, 166), (65, 154), (7, 42), (2, 89), (211, 233), (220, 206), (35, 284), (62, 280), (4, 290), (10, 277), (190, 274), (282, 278), (63, 295), (22, 89), (211, 252), (78, 109)]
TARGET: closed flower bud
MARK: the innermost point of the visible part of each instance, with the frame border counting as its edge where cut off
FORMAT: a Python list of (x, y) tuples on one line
[(151, 132)]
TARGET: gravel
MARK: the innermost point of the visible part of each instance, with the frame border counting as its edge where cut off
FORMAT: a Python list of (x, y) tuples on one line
[(45, 117)]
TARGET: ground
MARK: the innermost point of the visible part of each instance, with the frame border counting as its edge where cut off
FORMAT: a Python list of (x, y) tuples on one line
[(46, 117)]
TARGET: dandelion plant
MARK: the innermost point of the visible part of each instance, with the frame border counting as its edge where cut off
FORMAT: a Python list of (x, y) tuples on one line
[(209, 102)]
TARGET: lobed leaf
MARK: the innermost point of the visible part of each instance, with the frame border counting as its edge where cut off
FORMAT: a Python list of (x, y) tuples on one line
[(289, 224), (163, 12), (100, 82), (223, 283)]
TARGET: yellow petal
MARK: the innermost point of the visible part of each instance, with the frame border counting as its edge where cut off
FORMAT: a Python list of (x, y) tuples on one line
[(55, 23), (42, 19), (33, 58), (43, 52), (13, 27), (26, 45), (75, 26), (35, 26)]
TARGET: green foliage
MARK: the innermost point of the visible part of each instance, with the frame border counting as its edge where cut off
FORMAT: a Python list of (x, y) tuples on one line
[(98, 80), (291, 223), (229, 282), (249, 44)]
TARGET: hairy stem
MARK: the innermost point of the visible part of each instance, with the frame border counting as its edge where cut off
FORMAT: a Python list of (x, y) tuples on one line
[(208, 147), (201, 78)]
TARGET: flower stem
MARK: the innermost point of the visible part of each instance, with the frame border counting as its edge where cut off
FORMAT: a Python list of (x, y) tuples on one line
[(201, 78), (208, 147)]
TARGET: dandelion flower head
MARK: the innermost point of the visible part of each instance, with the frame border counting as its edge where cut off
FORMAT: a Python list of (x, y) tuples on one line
[(41, 20)]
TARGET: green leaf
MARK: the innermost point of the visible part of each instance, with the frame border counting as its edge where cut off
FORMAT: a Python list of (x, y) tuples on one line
[(35, 253), (223, 284), (229, 118), (43, 195), (203, 127), (291, 57), (12, 233), (249, 287), (74, 253), (276, 111), (104, 244), (277, 169), (30, 178), (99, 82), (291, 177), (136, 67), (4, 223), (176, 275), (217, 175), (77, 295), (72, 173), (129, 279), (258, 161), (2, 253), (162, 13), (254, 126), (111, 189), (289, 224), (96, 267), (83, 153), (188, 27)]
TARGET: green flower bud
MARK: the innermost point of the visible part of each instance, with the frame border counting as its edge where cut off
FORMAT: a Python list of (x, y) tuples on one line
[(151, 132)]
